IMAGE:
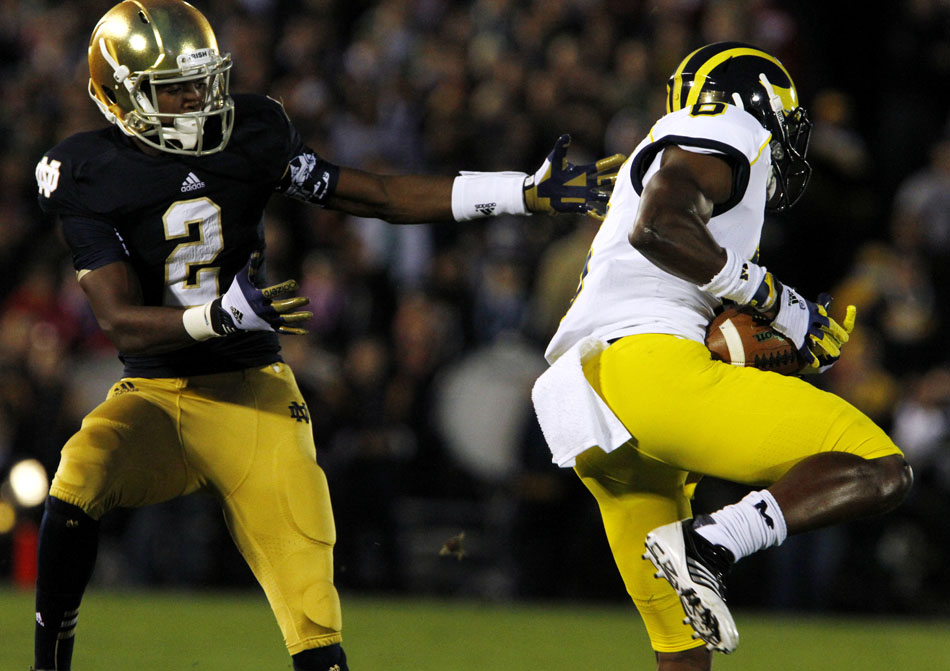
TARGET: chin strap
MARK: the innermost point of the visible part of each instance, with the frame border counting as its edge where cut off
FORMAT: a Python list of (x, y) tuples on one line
[(775, 102), (185, 132)]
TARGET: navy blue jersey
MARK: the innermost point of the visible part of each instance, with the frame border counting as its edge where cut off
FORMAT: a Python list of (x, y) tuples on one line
[(186, 224)]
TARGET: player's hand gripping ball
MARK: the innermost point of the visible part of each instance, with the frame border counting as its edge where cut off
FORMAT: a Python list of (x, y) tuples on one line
[(742, 337)]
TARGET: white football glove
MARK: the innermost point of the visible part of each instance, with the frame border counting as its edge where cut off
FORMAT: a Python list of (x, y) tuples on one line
[(244, 307)]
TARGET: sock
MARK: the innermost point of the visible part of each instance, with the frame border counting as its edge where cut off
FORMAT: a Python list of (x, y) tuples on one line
[(754, 523), (328, 658), (68, 544)]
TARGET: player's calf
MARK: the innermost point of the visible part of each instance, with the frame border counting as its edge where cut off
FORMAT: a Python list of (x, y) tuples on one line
[(696, 659), (67, 553), (327, 658)]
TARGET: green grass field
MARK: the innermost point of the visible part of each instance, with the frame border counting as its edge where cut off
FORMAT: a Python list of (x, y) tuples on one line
[(174, 631)]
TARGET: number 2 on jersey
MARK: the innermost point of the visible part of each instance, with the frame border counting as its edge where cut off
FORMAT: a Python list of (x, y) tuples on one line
[(190, 279)]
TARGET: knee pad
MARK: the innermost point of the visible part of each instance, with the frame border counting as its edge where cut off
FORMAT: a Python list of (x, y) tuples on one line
[(83, 475), (308, 498), (321, 605)]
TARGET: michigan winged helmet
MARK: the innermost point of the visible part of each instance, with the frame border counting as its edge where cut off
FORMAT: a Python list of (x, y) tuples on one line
[(742, 75), (142, 44)]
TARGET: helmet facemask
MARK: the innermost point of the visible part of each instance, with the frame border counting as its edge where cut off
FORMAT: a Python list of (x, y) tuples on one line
[(791, 131)]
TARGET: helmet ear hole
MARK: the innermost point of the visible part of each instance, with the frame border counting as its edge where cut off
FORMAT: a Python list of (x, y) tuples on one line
[(109, 94), (143, 18)]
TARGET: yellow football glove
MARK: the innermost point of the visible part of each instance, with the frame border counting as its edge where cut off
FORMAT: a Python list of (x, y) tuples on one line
[(560, 186)]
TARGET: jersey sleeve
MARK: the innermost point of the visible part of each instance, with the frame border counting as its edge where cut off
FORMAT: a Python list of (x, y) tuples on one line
[(93, 243), (59, 194), (302, 173)]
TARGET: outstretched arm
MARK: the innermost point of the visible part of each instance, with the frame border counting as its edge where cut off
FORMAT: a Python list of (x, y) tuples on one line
[(399, 199), (558, 186)]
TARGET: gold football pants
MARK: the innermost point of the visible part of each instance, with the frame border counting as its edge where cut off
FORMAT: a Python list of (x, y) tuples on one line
[(691, 416), (244, 436)]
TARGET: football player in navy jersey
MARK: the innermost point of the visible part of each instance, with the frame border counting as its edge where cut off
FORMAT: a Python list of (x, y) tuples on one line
[(163, 213)]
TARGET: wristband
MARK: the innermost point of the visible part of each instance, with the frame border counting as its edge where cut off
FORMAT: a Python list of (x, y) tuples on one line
[(487, 194), (738, 280), (197, 322)]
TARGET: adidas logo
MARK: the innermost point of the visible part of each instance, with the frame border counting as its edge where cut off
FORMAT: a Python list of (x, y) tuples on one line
[(191, 183), (485, 209)]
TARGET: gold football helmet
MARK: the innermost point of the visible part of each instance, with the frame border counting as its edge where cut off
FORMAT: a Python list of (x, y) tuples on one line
[(140, 45)]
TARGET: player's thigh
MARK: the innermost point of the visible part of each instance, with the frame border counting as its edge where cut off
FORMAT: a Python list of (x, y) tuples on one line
[(126, 453), (276, 498), (739, 424), (636, 494)]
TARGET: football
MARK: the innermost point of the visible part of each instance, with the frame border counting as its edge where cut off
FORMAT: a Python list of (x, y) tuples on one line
[(741, 337)]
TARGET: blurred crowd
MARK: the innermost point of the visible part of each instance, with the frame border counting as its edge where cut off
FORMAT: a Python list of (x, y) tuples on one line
[(426, 339)]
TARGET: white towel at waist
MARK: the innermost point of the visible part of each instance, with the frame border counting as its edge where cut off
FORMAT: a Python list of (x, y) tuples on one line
[(573, 417)]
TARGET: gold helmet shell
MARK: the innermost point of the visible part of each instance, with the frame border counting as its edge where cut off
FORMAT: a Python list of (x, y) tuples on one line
[(139, 45)]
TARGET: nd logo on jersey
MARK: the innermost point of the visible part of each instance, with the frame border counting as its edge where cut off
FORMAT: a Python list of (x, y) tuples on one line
[(47, 176)]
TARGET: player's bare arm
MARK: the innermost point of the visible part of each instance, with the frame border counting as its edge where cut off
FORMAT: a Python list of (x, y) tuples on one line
[(671, 225), (115, 295), (399, 199)]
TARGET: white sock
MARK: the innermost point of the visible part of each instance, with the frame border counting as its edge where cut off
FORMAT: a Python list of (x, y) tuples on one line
[(754, 523)]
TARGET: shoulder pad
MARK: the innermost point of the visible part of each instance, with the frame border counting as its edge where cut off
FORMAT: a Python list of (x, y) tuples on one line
[(65, 174), (713, 128), (714, 124), (263, 134)]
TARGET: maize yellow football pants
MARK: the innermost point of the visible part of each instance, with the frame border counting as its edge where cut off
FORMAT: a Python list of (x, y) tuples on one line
[(691, 416), (246, 437)]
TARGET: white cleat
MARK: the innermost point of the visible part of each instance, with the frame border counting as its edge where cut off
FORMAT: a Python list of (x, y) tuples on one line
[(695, 568)]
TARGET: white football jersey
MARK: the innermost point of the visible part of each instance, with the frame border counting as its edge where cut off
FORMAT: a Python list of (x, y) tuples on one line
[(623, 293)]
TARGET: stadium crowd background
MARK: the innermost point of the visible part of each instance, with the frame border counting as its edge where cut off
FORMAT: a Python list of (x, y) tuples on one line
[(426, 340)]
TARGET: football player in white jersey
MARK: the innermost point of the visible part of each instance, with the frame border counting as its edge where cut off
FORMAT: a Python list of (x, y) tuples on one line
[(633, 400)]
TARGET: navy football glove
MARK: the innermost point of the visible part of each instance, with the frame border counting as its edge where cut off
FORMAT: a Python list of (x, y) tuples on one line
[(244, 307), (559, 186)]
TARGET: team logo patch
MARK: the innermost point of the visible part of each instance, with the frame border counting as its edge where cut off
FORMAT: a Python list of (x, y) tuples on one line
[(306, 181), (47, 176), (192, 183), (299, 412)]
